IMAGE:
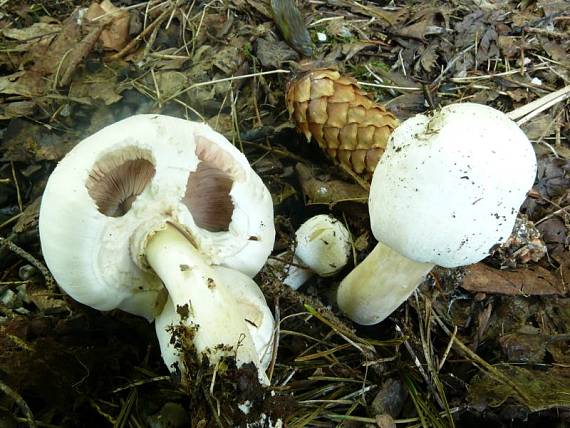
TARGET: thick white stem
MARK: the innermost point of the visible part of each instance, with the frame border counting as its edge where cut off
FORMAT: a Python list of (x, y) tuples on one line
[(197, 300), (378, 285)]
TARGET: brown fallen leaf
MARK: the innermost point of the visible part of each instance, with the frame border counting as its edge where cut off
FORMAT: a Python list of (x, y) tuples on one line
[(272, 54), (523, 347), (17, 109), (426, 21), (30, 217), (35, 31), (25, 141), (328, 191), (24, 83), (115, 36), (98, 86), (534, 280), (384, 17)]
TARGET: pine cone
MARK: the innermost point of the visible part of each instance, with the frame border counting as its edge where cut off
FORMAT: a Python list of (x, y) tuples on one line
[(346, 123)]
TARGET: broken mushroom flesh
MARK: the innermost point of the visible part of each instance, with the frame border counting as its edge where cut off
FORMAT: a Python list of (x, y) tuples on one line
[(447, 189), (153, 178)]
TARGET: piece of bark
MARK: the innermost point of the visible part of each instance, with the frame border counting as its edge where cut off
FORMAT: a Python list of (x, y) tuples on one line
[(534, 280)]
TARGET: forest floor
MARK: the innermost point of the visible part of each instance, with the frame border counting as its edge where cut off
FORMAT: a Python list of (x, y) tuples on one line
[(487, 344)]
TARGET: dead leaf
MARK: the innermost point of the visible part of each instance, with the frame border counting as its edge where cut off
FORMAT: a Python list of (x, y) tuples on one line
[(510, 46), (339, 28), (476, 29), (351, 49), (542, 389), (115, 36), (555, 174), (428, 59), (551, 7), (519, 94), (29, 218), (407, 105), (426, 21), (559, 348), (261, 7), (555, 234), (524, 348), (228, 59), (328, 191), (385, 17), (16, 109), (99, 86), (170, 83), (272, 54), (557, 50), (25, 141), (534, 280), (24, 83), (35, 31)]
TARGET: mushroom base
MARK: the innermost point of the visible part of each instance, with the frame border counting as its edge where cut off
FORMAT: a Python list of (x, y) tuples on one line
[(198, 301), (378, 285)]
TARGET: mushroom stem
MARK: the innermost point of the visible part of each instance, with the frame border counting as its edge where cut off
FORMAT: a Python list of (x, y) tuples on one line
[(378, 285), (198, 300), (293, 274)]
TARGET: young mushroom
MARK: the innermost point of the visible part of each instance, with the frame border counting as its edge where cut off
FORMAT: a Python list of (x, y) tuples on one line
[(322, 247), (446, 191), (155, 203)]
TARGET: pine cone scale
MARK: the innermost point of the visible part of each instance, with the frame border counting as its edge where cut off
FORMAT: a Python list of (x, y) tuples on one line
[(337, 114), (322, 88), (317, 112), (331, 136)]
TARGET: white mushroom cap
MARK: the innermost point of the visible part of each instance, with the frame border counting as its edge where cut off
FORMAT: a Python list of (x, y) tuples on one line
[(130, 178), (323, 244), (449, 186)]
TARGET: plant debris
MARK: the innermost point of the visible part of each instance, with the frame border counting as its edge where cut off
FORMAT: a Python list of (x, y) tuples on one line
[(488, 343)]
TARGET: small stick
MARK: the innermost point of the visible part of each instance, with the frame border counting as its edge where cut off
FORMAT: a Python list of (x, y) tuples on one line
[(50, 283), (525, 113), (142, 34), (20, 402), (276, 335)]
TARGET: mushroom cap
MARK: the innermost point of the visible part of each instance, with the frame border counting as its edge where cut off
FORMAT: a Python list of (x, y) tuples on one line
[(323, 244), (130, 178), (449, 186)]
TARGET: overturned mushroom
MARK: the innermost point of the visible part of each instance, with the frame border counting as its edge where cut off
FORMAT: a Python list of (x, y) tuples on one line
[(152, 203)]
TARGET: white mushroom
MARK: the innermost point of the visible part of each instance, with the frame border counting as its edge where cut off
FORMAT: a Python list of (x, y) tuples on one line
[(447, 189), (322, 247), (151, 202)]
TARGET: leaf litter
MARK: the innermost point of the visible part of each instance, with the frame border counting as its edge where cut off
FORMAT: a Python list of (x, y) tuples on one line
[(484, 344)]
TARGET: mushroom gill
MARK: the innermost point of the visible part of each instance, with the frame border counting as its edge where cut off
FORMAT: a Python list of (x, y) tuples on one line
[(208, 188), (114, 184), (208, 197)]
